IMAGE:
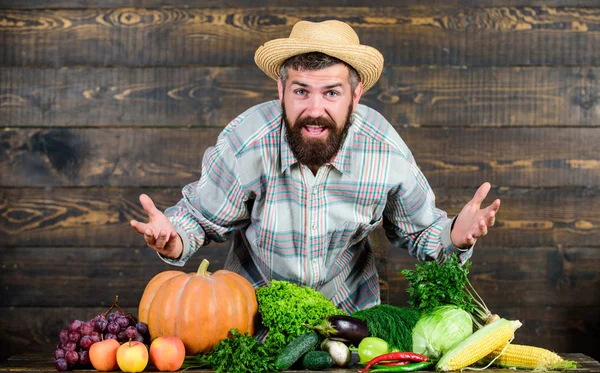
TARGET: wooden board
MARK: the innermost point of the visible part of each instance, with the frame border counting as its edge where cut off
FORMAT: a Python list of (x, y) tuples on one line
[(75, 4), (103, 157), (83, 276), (518, 277), (82, 217), (127, 157), (103, 100), (419, 96), (473, 36), (99, 217), (86, 277)]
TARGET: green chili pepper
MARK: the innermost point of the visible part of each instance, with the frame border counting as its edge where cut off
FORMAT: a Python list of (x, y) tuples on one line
[(370, 347), (403, 368)]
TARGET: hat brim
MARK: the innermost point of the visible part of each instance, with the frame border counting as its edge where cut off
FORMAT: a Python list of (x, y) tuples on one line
[(367, 61)]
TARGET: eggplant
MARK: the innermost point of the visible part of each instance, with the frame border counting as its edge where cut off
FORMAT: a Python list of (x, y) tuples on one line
[(347, 329)]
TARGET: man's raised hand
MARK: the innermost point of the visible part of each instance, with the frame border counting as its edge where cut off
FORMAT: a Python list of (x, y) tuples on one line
[(473, 221), (158, 232)]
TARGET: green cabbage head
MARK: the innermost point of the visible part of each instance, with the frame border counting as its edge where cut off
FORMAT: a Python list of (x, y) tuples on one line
[(439, 330)]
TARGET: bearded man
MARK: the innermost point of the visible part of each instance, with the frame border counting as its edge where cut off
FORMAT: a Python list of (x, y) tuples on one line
[(297, 184)]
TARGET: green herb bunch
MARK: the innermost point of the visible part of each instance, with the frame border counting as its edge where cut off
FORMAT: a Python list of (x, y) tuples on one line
[(432, 284), (285, 306), (238, 353), (391, 323)]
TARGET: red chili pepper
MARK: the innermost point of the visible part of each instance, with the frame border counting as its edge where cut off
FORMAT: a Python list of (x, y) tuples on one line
[(395, 356)]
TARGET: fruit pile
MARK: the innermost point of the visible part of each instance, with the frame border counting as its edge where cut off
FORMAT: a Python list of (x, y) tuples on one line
[(74, 342), (116, 340)]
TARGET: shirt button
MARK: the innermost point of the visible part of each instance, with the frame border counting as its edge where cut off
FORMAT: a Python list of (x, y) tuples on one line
[(314, 227)]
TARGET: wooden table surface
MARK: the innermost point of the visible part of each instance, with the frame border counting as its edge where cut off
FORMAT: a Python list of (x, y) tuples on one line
[(38, 362)]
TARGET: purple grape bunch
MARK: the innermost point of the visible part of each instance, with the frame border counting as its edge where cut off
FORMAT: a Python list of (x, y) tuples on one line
[(72, 350)]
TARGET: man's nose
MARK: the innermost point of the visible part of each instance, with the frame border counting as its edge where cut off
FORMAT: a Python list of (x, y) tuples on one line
[(315, 107)]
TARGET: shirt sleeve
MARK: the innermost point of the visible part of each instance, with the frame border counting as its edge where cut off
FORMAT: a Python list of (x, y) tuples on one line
[(412, 220), (212, 207)]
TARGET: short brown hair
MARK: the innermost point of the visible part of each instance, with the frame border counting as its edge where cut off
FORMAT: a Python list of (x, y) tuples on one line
[(316, 61)]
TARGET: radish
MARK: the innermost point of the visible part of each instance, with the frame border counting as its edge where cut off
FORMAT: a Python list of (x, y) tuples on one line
[(339, 352)]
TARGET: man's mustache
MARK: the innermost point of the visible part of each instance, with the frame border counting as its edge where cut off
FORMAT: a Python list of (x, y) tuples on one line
[(316, 121)]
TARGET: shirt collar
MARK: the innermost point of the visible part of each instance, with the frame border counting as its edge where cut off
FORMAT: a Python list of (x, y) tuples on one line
[(341, 161)]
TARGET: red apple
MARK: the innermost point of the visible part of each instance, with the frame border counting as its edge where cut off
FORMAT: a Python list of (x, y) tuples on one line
[(167, 353), (103, 355), (132, 357)]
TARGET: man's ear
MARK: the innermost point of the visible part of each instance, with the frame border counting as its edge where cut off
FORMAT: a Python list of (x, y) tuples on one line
[(356, 95), (280, 89)]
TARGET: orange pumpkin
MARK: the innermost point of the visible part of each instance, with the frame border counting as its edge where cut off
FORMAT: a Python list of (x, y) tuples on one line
[(200, 308)]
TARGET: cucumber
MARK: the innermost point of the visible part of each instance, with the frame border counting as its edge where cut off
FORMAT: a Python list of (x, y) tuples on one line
[(317, 360), (295, 349)]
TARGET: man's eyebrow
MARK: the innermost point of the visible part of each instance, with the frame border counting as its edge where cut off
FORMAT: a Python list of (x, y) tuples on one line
[(304, 85), (333, 86), (299, 83)]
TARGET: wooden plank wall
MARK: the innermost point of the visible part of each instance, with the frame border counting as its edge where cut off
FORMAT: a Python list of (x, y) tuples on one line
[(102, 100)]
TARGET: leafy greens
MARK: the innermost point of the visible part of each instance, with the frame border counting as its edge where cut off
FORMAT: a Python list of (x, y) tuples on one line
[(432, 284), (284, 307), (238, 353)]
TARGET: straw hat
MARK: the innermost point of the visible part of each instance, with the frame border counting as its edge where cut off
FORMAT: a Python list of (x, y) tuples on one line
[(334, 38)]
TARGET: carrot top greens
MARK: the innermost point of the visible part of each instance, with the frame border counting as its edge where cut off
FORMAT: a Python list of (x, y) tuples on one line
[(432, 284)]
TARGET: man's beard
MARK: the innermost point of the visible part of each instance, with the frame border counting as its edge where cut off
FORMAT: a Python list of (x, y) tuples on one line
[(315, 151)]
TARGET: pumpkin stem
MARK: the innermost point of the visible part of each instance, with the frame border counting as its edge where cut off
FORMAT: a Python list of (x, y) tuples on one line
[(202, 269)]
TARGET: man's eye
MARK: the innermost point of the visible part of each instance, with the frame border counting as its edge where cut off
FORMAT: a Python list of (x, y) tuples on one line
[(332, 93), (300, 91)]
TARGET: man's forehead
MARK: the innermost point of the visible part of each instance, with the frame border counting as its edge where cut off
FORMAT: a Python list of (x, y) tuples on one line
[(332, 75)]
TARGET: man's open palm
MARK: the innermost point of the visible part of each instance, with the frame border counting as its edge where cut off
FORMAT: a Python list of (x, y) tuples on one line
[(159, 233), (473, 221)]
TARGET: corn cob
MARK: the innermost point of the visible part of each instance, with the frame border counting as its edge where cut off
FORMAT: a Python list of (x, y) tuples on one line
[(528, 357), (478, 345)]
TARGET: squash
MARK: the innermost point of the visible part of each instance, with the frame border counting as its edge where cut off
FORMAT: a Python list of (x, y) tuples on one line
[(200, 308)]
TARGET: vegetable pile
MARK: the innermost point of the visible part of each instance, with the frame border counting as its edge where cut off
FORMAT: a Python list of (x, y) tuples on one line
[(447, 327), (440, 292)]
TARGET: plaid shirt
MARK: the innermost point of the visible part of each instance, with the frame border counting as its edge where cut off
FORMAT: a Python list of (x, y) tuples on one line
[(286, 223)]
